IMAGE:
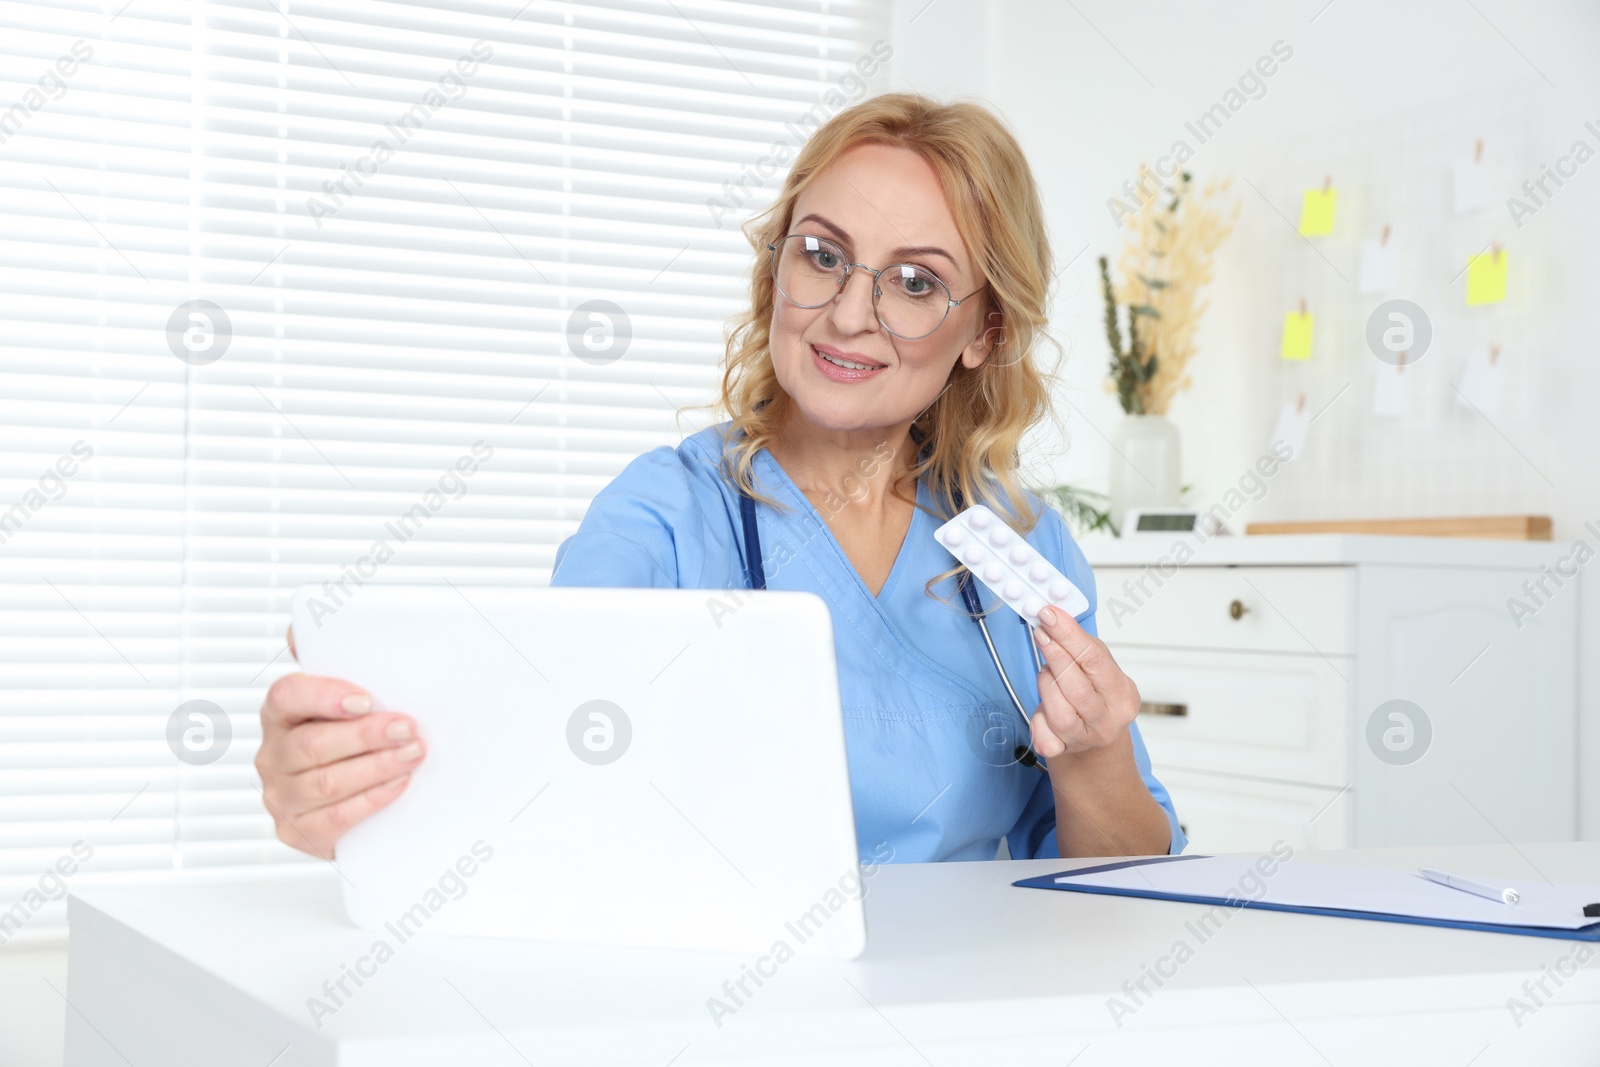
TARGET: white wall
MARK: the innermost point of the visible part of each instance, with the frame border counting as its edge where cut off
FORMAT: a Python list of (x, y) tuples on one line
[(1095, 87)]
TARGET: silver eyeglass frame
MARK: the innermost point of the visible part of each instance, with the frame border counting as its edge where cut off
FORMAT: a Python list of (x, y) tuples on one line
[(877, 290)]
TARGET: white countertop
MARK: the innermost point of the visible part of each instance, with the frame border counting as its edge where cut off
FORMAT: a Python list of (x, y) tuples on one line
[(961, 967), (1286, 550)]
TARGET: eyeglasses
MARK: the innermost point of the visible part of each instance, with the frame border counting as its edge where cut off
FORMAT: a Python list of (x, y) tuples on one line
[(811, 271)]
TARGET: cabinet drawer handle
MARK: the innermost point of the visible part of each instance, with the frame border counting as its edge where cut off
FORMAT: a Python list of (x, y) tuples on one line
[(1147, 708), (1236, 610)]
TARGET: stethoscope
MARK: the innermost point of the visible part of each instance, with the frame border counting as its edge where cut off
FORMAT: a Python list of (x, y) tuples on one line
[(1024, 753)]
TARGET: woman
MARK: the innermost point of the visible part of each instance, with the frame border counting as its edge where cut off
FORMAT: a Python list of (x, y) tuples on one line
[(860, 414)]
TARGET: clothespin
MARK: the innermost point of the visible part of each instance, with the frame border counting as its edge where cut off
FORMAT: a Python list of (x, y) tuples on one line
[(1301, 406), (1494, 250), (1494, 354), (1302, 307), (1327, 183), (1477, 153), (1384, 240), (1400, 364)]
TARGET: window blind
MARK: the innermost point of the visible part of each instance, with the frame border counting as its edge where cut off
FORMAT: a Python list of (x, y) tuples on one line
[(309, 292)]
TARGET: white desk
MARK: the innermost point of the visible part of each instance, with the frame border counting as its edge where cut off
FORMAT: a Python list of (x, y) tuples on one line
[(961, 969)]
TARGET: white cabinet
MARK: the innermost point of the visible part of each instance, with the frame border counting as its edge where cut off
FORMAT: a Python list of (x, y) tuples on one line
[(1348, 691), (1231, 813), (1262, 715)]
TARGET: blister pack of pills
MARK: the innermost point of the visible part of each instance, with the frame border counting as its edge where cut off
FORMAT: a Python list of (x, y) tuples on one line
[(999, 557)]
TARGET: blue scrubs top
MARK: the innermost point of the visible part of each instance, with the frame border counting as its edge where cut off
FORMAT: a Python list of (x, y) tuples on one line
[(929, 730)]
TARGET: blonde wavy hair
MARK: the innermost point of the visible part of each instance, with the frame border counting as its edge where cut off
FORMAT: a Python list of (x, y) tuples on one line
[(970, 435)]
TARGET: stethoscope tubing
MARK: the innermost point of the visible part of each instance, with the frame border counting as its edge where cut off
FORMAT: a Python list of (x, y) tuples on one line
[(758, 580), (1026, 754)]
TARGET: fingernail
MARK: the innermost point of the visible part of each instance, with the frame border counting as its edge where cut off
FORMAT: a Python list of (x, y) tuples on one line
[(410, 753), (1039, 634), (356, 704), (1048, 616), (398, 730)]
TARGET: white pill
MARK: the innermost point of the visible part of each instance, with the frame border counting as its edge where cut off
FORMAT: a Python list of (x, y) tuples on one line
[(1060, 590), (979, 520), (974, 555), (993, 573), (1012, 591), (1020, 554), (1001, 537), (1039, 572), (955, 537), (1032, 606)]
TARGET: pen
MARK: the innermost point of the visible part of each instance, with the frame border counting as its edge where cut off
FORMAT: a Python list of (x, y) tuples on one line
[(1467, 885)]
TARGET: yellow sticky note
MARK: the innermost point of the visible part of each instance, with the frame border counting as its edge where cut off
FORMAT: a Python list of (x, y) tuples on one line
[(1316, 211), (1486, 277), (1296, 342)]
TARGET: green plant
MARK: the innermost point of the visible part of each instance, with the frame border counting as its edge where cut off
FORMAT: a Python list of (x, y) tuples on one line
[(1165, 265), (1084, 509), (1131, 369)]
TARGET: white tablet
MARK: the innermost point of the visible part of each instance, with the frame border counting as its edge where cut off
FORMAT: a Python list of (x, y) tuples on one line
[(645, 767)]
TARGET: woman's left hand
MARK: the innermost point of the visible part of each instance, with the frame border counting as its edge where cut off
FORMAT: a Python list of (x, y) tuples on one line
[(1085, 700)]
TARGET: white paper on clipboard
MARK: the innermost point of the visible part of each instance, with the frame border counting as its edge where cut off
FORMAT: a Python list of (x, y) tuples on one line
[(1349, 888)]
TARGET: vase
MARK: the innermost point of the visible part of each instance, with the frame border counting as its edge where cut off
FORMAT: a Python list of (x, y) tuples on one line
[(1144, 465)]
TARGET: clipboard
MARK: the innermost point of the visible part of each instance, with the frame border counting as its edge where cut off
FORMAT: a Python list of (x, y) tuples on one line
[(1320, 889)]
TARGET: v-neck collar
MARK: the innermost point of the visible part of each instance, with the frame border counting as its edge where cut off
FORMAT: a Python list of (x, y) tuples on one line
[(927, 667), (907, 544)]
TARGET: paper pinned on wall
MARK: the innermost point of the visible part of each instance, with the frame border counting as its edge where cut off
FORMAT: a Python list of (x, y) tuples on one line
[(1483, 384), (1294, 421), (1317, 210), (1486, 277), (1296, 340), (1380, 266), (1391, 391), (1474, 185)]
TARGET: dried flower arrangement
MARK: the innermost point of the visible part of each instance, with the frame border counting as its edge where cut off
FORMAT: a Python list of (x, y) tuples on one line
[(1165, 263)]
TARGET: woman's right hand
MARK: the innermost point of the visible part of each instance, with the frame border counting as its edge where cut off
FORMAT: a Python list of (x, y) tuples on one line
[(327, 760)]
